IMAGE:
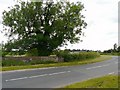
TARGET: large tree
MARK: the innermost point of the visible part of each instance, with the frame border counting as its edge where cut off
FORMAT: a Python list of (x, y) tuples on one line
[(43, 25)]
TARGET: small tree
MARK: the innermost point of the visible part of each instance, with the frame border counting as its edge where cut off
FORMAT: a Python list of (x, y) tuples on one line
[(43, 25)]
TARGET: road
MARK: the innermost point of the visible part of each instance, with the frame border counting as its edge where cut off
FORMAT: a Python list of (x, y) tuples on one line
[(58, 76)]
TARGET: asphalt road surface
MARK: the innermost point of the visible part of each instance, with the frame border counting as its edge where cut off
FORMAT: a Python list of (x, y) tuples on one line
[(58, 76)]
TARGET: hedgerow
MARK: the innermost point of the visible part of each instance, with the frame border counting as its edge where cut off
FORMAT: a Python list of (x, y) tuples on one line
[(77, 56)]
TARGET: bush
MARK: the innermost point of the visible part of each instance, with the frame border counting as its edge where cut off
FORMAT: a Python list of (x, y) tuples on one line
[(12, 63), (77, 56)]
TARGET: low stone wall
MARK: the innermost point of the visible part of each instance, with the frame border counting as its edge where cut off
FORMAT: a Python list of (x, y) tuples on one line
[(43, 58)]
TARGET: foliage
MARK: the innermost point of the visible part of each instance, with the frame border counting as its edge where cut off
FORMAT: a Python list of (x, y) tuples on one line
[(0, 53), (7, 50), (108, 51), (12, 63), (114, 53), (32, 52), (77, 56), (43, 25), (0, 50), (118, 49)]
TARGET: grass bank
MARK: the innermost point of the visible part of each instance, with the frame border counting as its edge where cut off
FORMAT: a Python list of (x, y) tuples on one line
[(112, 54), (109, 81), (87, 61)]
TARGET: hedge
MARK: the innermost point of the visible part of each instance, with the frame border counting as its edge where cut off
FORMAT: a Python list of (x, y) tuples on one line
[(77, 56)]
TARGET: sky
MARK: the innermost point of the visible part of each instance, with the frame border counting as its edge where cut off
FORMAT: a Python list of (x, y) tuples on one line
[(102, 19)]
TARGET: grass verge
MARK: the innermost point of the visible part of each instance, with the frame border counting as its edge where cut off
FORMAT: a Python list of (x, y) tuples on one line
[(109, 81), (101, 58)]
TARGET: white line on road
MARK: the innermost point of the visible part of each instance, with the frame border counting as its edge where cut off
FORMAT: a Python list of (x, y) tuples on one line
[(111, 73), (98, 66), (37, 76), (106, 65), (94, 67), (91, 68), (59, 73), (16, 79), (116, 62)]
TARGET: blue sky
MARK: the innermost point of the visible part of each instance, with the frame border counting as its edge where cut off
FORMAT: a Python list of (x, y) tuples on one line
[(101, 17)]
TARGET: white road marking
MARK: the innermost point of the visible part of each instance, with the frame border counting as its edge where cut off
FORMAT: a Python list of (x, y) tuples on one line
[(56, 73), (98, 66), (94, 67), (37, 76), (59, 73), (106, 65), (16, 79), (111, 73), (116, 62)]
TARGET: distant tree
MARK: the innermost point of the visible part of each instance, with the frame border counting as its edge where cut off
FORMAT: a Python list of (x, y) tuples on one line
[(115, 47), (43, 25), (118, 48), (108, 51)]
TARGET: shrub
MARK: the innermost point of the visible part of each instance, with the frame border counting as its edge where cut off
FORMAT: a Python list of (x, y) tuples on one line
[(12, 63), (77, 56)]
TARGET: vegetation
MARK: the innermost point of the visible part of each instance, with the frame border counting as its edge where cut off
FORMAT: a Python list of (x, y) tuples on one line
[(114, 51), (68, 57), (77, 56), (102, 58), (110, 81), (0, 50), (43, 26)]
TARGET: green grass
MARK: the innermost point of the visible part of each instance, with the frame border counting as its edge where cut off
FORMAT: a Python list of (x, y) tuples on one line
[(109, 81), (88, 61), (113, 54)]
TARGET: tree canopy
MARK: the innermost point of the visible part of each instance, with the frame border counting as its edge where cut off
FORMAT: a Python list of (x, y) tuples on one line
[(43, 25)]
